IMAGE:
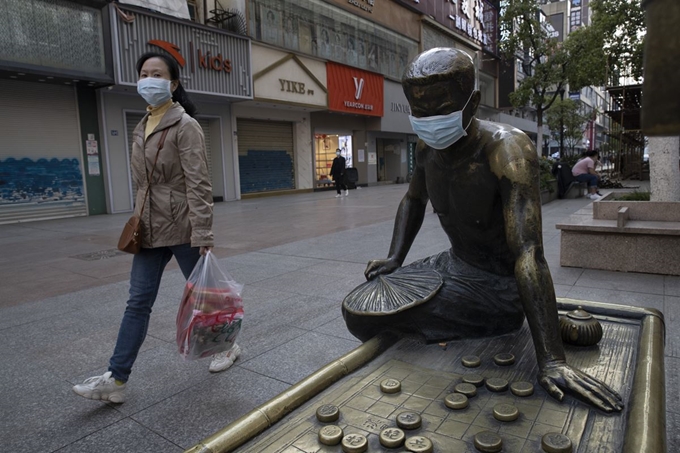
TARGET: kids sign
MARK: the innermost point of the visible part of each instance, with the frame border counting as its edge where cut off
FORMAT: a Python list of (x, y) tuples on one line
[(211, 61), (355, 91), (205, 60)]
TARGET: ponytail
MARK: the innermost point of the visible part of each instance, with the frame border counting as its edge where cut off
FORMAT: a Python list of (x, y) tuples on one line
[(181, 96)]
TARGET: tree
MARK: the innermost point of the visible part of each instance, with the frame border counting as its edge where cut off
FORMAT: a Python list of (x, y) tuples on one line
[(527, 39), (564, 115), (610, 48)]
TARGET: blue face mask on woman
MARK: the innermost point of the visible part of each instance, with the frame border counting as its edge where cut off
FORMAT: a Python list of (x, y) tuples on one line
[(440, 131), (154, 90)]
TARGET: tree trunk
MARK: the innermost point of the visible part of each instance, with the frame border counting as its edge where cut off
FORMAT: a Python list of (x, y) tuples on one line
[(664, 168), (539, 132)]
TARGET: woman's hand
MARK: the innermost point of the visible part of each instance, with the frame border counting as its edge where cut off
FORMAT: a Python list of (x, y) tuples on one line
[(205, 250)]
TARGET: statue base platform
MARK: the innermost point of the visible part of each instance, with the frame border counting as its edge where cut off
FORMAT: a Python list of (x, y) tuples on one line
[(629, 358)]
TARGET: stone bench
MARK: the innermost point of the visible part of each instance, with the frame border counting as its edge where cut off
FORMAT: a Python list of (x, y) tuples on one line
[(618, 236), (576, 190)]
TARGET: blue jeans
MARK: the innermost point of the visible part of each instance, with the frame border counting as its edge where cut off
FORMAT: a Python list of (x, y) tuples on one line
[(587, 178), (145, 279)]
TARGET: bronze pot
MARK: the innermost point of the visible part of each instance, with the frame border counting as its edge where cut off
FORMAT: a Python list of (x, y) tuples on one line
[(580, 328)]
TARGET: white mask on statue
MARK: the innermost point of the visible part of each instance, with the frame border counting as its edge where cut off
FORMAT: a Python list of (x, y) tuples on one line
[(441, 131)]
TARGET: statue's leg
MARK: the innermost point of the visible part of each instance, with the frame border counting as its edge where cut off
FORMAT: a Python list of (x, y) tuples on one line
[(471, 303)]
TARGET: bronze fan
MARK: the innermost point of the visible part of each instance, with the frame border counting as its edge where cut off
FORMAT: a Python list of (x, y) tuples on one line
[(395, 292)]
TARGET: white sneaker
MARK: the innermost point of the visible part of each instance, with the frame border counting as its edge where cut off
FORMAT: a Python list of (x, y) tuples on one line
[(224, 360), (102, 387), (346, 192), (594, 196), (338, 196)]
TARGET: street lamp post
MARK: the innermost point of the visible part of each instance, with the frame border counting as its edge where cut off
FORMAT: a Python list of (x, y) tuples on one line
[(561, 123)]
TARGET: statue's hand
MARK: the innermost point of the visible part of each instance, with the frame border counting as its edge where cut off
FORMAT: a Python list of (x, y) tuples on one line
[(557, 378), (377, 267)]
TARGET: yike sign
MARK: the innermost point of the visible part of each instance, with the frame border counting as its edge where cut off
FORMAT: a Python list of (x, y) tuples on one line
[(210, 60), (355, 91)]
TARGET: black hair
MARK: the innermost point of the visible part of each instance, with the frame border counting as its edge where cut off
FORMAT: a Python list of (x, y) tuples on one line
[(591, 153), (179, 95)]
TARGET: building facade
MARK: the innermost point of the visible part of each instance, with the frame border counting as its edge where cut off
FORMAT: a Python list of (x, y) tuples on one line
[(215, 69), (279, 86), (53, 57)]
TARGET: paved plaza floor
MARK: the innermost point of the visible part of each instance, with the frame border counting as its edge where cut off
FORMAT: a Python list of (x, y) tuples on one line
[(64, 290)]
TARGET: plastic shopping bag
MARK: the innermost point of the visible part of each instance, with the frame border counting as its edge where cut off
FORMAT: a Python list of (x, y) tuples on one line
[(211, 312)]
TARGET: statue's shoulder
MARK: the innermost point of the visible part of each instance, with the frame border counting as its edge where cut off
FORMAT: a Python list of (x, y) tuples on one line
[(507, 143)]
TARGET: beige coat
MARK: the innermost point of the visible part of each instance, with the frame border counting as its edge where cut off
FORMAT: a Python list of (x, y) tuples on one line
[(179, 208)]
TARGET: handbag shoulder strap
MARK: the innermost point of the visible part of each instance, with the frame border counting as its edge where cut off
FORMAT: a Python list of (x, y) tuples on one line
[(148, 187)]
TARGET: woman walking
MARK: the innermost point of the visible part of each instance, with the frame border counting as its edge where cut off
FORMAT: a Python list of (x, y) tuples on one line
[(168, 147)]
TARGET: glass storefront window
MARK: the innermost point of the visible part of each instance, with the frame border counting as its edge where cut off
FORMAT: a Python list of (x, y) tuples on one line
[(326, 31), (325, 146)]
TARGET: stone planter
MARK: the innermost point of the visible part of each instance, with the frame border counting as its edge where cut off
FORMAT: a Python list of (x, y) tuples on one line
[(547, 196), (628, 236), (607, 208)]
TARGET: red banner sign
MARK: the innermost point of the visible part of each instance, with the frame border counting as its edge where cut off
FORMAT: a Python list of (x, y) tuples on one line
[(355, 91)]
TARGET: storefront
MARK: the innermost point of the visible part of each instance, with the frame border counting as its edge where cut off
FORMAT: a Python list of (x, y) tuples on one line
[(273, 130), (391, 137), (215, 71), (49, 164), (355, 100)]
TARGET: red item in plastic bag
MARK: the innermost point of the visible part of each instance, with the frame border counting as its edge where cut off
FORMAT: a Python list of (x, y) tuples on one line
[(211, 312)]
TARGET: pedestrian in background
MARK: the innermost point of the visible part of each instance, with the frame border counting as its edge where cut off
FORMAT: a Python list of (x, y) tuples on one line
[(338, 173), (177, 219), (584, 171)]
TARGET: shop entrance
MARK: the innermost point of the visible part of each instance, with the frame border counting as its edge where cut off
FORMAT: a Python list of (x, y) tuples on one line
[(389, 159), (325, 146)]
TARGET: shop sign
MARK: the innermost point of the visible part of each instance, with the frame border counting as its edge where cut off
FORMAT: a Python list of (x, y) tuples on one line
[(397, 109), (401, 108), (287, 79), (366, 5), (211, 61), (292, 86), (476, 19), (205, 60), (352, 90)]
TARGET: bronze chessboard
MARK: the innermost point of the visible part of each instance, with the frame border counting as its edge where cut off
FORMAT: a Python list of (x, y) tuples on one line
[(629, 358)]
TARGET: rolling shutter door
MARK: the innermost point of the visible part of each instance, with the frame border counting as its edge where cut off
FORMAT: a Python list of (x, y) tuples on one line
[(131, 121), (265, 155), (205, 125), (41, 172)]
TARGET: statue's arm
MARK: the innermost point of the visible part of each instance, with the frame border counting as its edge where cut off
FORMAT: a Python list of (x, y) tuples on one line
[(522, 213), (409, 219)]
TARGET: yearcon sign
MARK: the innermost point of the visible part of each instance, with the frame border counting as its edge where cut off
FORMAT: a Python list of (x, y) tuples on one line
[(211, 61), (355, 91)]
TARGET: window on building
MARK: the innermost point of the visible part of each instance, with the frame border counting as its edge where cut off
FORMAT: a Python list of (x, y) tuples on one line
[(575, 19), (487, 88)]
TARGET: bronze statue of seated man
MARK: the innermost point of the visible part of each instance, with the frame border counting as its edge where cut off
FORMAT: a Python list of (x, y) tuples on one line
[(482, 179)]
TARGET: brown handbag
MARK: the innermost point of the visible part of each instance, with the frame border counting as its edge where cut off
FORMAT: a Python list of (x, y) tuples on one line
[(131, 238)]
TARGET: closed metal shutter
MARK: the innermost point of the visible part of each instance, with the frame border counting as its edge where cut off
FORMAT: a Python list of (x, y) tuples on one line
[(41, 171), (265, 155), (131, 121), (205, 125)]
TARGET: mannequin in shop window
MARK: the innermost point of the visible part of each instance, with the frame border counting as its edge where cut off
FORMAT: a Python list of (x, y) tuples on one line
[(338, 174), (482, 180)]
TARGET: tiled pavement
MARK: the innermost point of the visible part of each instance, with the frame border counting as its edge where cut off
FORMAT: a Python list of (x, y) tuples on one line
[(298, 255)]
